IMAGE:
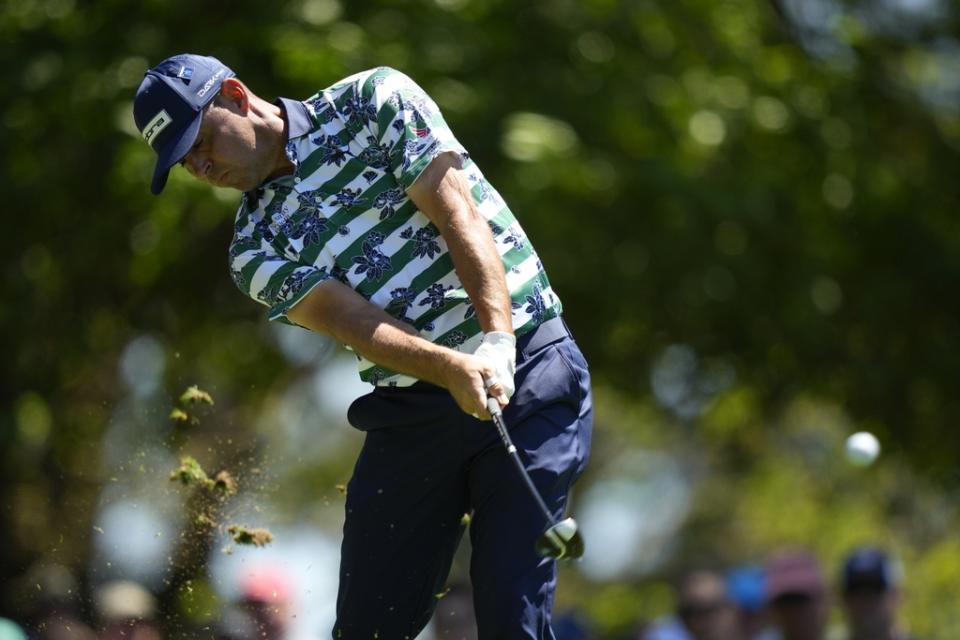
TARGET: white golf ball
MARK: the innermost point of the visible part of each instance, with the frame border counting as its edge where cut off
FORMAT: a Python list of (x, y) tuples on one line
[(862, 448)]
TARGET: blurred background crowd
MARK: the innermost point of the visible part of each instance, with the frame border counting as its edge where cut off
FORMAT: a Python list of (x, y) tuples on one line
[(748, 207), (788, 597)]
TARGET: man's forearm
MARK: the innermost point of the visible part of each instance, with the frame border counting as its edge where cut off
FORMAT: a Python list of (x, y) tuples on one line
[(479, 267), (442, 194), (336, 310)]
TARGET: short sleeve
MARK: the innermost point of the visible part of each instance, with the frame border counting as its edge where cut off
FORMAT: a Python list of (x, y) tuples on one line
[(408, 123), (271, 279)]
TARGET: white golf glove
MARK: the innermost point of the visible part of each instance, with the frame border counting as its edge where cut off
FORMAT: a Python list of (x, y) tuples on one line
[(500, 349)]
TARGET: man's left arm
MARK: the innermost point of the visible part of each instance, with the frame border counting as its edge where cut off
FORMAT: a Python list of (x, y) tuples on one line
[(424, 157), (442, 193)]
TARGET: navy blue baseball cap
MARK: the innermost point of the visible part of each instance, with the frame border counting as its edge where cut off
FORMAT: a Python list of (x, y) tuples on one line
[(169, 106), (871, 568)]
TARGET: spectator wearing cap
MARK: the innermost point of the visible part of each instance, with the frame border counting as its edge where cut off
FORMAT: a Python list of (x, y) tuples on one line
[(796, 595), (871, 595), (266, 599), (746, 586), (704, 611), (126, 611), (53, 609)]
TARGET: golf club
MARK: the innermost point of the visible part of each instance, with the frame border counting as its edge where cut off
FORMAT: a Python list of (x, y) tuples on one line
[(561, 539)]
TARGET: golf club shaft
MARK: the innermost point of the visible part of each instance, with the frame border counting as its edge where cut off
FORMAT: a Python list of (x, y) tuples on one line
[(494, 408)]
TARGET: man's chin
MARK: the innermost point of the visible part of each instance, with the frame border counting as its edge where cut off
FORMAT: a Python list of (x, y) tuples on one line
[(240, 184)]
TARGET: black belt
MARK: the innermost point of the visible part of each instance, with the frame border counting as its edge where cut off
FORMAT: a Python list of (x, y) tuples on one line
[(542, 335), (545, 333)]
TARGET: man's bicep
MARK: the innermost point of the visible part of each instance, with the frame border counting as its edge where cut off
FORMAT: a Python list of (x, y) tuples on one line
[(441, 189)]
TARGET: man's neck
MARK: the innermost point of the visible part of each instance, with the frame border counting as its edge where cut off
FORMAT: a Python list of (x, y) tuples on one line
[(279, 129)]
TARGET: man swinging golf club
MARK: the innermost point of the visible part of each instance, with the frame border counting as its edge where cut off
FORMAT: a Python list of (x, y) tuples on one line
[(363, 218)]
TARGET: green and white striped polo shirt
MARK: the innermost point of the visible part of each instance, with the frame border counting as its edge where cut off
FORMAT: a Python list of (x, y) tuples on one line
[(344, 214)]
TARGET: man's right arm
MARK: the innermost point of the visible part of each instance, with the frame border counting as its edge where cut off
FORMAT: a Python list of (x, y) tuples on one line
[(334, 309)]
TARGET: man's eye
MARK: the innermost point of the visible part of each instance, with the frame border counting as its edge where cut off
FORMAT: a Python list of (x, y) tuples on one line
[(196, 145)]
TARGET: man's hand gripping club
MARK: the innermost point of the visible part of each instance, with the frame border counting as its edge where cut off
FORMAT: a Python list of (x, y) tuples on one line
[(499, 348), (489, 372)]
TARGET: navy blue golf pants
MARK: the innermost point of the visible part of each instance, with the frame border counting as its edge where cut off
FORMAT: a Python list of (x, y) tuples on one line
[(425, 463)]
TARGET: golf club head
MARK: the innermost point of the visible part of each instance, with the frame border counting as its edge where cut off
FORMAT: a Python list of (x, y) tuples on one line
[(561, 541)]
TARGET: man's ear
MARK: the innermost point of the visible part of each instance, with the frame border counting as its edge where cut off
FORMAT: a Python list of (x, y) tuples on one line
[(235, 94)]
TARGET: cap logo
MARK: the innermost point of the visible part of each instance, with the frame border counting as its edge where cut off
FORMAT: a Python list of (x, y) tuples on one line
[(185, 72), (156, 125), (209, 83)]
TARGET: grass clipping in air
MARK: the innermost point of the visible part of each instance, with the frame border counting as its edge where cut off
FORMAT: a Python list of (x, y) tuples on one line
[(244, 535), (223, 486), (190, 473), (220, 487), (191, 397)]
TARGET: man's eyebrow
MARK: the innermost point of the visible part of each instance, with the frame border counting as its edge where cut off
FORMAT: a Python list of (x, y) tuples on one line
[(196, 144)]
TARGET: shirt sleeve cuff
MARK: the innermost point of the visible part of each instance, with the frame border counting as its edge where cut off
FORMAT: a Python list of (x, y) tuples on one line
[(410, 175), (280, 310)]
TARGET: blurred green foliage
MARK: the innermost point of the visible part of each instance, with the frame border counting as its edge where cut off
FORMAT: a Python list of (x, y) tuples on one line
[(779, 198)]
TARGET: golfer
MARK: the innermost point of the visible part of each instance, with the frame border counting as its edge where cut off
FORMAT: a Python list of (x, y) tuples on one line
[(363, 218)]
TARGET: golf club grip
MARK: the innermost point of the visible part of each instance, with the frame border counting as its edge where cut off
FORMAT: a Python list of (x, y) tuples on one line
[(494, 407)]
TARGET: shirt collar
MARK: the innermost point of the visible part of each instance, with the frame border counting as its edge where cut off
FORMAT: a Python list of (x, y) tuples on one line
[(299, 123), (298, 117)]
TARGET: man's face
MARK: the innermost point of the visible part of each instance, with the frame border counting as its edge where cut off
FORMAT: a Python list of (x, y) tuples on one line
[(705, 609), (710, 620), (226, 152), (800, 616), (270, 618), (870, 611)]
